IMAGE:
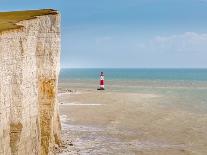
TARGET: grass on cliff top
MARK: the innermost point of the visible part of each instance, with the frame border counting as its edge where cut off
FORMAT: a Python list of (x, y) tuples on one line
[(8, 20)]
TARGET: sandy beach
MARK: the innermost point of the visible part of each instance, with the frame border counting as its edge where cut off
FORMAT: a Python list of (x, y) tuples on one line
[(107, 122)]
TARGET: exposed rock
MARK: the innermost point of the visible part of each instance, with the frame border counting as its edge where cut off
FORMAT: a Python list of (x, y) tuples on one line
[(29, 64)]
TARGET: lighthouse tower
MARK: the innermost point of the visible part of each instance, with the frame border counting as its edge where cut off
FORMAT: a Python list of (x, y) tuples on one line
[(101, 81)]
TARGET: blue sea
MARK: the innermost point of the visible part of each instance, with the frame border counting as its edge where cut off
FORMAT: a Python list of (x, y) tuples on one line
[(185, 88), (136, 74)]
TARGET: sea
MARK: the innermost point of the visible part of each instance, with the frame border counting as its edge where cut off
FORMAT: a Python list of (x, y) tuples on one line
[(183, 88)]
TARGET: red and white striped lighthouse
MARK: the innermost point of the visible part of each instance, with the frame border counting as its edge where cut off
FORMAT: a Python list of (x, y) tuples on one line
[(101, 81)]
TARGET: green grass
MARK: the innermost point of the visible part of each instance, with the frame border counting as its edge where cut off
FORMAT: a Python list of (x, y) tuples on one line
[(8, 20)]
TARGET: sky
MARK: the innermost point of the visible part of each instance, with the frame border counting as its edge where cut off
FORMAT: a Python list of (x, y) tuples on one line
[(128, 33)]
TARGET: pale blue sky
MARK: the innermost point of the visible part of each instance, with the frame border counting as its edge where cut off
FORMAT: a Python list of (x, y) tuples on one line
[(128, 33)]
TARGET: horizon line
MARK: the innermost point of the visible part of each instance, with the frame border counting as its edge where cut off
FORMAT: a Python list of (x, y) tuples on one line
[(133, 67)]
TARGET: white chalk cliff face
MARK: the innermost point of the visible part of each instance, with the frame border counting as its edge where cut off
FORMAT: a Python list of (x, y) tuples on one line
[(29, 68)]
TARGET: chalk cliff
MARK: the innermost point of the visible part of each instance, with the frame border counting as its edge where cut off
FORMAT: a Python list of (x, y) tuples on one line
[(29, 68)]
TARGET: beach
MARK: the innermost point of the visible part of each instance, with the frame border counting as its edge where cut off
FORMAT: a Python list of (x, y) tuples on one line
[(130, 123), (159, 118)]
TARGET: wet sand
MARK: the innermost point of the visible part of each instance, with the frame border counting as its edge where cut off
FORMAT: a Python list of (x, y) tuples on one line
[(106, 122)]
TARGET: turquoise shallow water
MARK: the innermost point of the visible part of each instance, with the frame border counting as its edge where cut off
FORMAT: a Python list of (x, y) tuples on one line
[(183, 88)]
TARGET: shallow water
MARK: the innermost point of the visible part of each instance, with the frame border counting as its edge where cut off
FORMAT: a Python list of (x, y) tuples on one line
[(188, 94), (138, 114), (132, 123), (93, 140)]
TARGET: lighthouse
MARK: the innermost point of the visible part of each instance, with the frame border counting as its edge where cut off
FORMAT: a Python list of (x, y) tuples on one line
[(101, 81)]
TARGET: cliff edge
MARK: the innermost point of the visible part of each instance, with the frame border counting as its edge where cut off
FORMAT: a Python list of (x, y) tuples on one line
[(29, 68)]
